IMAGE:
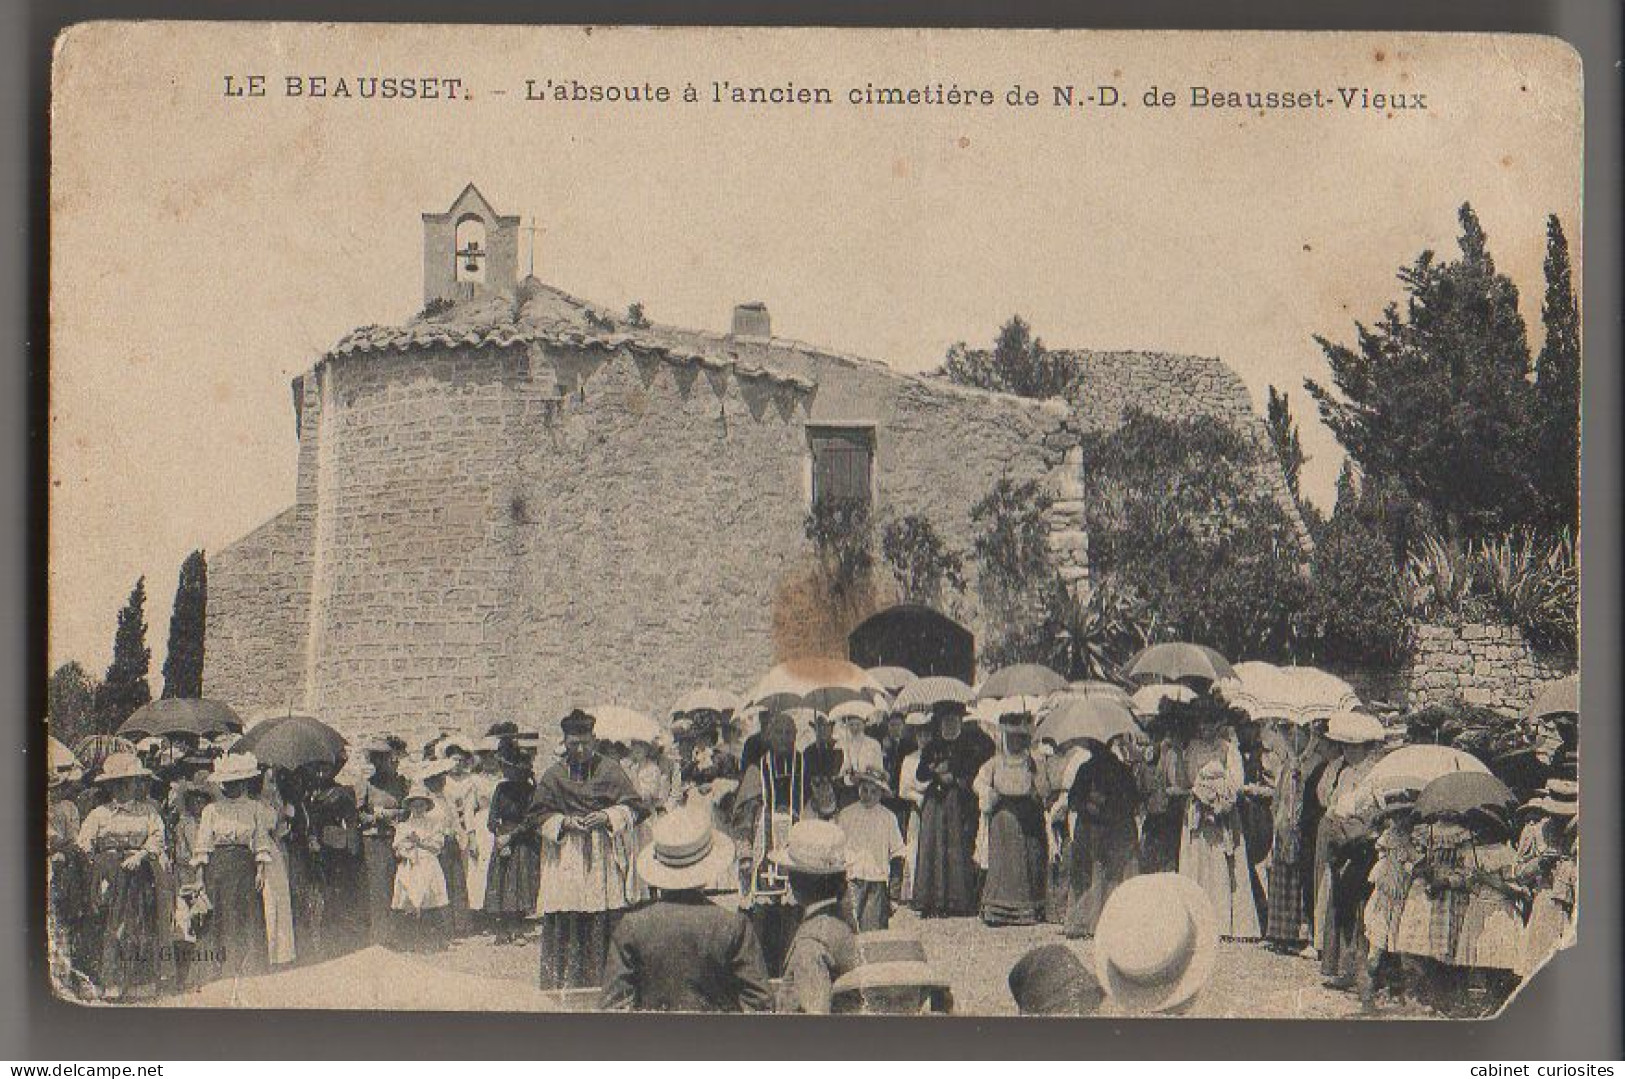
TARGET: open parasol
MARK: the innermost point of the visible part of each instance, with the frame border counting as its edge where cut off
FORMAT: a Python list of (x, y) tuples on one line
[(924, 694), (1099, 718), (1096, 689), (1460, 793), (1172, 661), (893, 679), (706, 699), (1295, 694), (1148, 700), (196, 716), (1020, 680), (61, 758), (292, 742), (1409, 768), (1561, 697), (613, 723), (815, 682)]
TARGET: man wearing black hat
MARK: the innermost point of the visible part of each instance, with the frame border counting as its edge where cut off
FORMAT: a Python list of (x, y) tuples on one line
[(586, 809)]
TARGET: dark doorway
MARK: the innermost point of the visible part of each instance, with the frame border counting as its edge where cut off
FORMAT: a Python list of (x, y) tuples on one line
[(918, 638)]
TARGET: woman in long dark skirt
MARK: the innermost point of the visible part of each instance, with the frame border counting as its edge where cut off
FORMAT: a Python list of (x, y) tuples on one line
[(378, 802), (70, 882), (1013, 791), (326, 873), (1163, 828), (1104, 798), (516, 859), (132, 894), (945, 874), (233, 847)]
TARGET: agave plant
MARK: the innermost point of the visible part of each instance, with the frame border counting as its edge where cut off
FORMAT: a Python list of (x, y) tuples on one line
[(1532, 582), (1439, 579)]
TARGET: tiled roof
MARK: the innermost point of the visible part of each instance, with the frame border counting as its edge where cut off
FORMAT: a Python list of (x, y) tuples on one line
[(546, 317)]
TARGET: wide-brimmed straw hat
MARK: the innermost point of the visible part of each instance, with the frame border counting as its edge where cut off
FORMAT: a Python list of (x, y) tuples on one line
[(685, 851), (1155, 943), (417, 792), (122, 766), (1560, 798), (376, 745), (893, 976), (918, 719), (1355, 728), (815, 847), (235, 766), (438, 766)]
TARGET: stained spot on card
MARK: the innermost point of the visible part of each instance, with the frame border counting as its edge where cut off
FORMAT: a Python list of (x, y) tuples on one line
[(899, 168)]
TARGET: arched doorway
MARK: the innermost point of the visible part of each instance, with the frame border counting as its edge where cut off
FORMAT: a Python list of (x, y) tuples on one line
[(909, 635)]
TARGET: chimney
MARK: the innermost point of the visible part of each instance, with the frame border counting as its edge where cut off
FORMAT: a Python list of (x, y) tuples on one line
[(751, 320)]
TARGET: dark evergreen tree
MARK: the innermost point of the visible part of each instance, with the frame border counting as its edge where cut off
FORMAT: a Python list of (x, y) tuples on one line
[(1557, 387), (70, 703), (1018, 364), (1284, 433), (1434, 403), (125, 688), (183, 664)]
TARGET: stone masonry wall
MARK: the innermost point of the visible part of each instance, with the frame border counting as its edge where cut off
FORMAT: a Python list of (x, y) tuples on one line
[(1178, 387), (504, 533), (1489, 665)]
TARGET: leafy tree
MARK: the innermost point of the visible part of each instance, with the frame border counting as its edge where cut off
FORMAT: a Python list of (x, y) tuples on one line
[(1018, 364), (70, 702), (1283, 429), (1357, 609), (183, 665), (125, 688), (1557, 388), (1014, 571), (1175, 517), (1435, 401), (920, 560), (635, 317)]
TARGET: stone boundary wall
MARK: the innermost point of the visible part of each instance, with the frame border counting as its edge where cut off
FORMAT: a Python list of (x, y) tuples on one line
[(1477, 663)]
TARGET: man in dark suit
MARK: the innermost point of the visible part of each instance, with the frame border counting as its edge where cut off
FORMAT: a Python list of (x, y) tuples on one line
[(683, 953)]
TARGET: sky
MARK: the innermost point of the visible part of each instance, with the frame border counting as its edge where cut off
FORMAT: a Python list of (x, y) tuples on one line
[(207, 249)]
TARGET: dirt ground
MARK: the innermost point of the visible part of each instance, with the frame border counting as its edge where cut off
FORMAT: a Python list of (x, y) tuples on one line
[(476, 973)]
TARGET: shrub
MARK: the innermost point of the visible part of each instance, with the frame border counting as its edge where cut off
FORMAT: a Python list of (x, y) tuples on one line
[(1357, 609), (920, 560), (843, 537)]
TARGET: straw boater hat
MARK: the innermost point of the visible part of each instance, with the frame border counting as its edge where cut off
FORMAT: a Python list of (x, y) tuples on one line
[(1155, 943), (892, 977), (122, 766), (814, 847), (417, 793), (235, 766), (685, 852), (918, 719), (858, 710), (377, 745), (437, 767), (1355, 728), (1559, 798)]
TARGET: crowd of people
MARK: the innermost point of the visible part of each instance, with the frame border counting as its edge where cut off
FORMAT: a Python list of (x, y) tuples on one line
[(738, 858)]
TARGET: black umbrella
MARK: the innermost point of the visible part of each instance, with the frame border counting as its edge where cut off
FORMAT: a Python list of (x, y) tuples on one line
[(292, 741), (199, 717)]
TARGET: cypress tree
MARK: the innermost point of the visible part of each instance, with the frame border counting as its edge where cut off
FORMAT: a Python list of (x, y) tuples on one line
[(1434, 402), (125, 688), (1284, 433), (183, 665), (1557, 387)]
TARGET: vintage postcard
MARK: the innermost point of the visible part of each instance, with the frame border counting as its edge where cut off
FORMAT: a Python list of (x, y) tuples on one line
[(796, 520)]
